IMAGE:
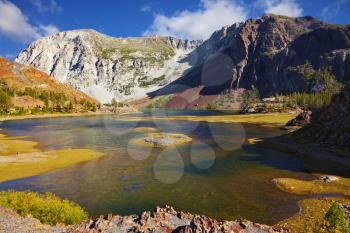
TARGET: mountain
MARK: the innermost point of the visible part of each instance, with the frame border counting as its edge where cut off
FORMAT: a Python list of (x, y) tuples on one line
[(330, 126), (24, 89), (105, 67), (267, 54)]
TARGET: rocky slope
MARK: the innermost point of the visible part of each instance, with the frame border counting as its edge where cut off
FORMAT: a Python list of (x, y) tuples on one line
[(330, 126), (159, 221), (267, 54), (10, 221), (105, 67), (170, 221)]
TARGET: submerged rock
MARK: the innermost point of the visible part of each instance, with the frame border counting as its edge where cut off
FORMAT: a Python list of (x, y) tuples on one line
[(162, 139)]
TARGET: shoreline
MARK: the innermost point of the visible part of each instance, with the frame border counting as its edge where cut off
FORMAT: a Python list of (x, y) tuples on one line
[(314, 158), (59, 115), (51, 115)]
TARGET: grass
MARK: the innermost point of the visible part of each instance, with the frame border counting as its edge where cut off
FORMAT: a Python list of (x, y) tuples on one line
[(311, 215), (276, 119), (147, 83), (47, 208), (160, 101), (313, 211), (12, 145), (305, 187), (19, 158)]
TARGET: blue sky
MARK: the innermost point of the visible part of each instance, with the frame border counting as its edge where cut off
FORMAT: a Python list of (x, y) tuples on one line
[(23, 21)]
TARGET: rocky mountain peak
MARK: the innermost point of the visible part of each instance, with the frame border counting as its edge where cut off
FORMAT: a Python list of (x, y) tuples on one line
[(106, 67)]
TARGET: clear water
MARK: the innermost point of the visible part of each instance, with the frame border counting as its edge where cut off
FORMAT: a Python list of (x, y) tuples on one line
[(213, 175)]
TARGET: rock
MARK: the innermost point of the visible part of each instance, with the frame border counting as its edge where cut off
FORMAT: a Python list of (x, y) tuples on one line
[(168, 220), (302, 119), (328, 179), (264, 54), (346, 209), (10, 221), (162, 139), (105, 67)]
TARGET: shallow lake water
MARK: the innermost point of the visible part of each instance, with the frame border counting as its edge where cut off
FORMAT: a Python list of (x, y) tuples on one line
[(218, 174)]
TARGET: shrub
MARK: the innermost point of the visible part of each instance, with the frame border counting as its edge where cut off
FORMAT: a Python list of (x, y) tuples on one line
[(160, 101), (47, 208), (334, 221), (5, 102)]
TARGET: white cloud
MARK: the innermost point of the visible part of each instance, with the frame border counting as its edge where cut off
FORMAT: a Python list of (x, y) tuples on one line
[(200, 24), (15, 25), (281, 7), (49, 6), (48, 29)]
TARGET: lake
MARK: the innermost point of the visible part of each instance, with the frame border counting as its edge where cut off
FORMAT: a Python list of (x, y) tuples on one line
[(218, 174)]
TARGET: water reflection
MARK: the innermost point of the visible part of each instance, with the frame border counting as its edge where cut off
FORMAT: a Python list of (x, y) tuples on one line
[(202, 177)]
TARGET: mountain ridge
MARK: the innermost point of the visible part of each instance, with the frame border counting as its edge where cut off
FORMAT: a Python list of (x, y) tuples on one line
[(106, 67), (263, 53)]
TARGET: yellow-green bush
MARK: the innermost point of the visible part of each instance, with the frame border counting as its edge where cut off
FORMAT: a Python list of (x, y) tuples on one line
[(333, 222), (47, 207)]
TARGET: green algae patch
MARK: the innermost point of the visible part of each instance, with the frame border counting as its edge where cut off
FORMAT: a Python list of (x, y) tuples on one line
[(159, 140), (19, 158), (47, 208), (42, 162), (306, 187), (12, 145), (146, 130)]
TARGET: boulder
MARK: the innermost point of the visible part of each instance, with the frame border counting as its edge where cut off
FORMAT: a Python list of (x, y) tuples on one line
[(302, 119)]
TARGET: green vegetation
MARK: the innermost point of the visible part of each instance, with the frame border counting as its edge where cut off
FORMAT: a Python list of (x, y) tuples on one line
[(313, 101), (118, 104), (151, 50), (307, 187), (160, 101), (319, 87), (273, 119), (318, 215), (144, 83), (106, 53), (21, 158), (47, 208), (126, 89), (333, 222), (5, 102), (251, 96), (52, 101), (229, 98)]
